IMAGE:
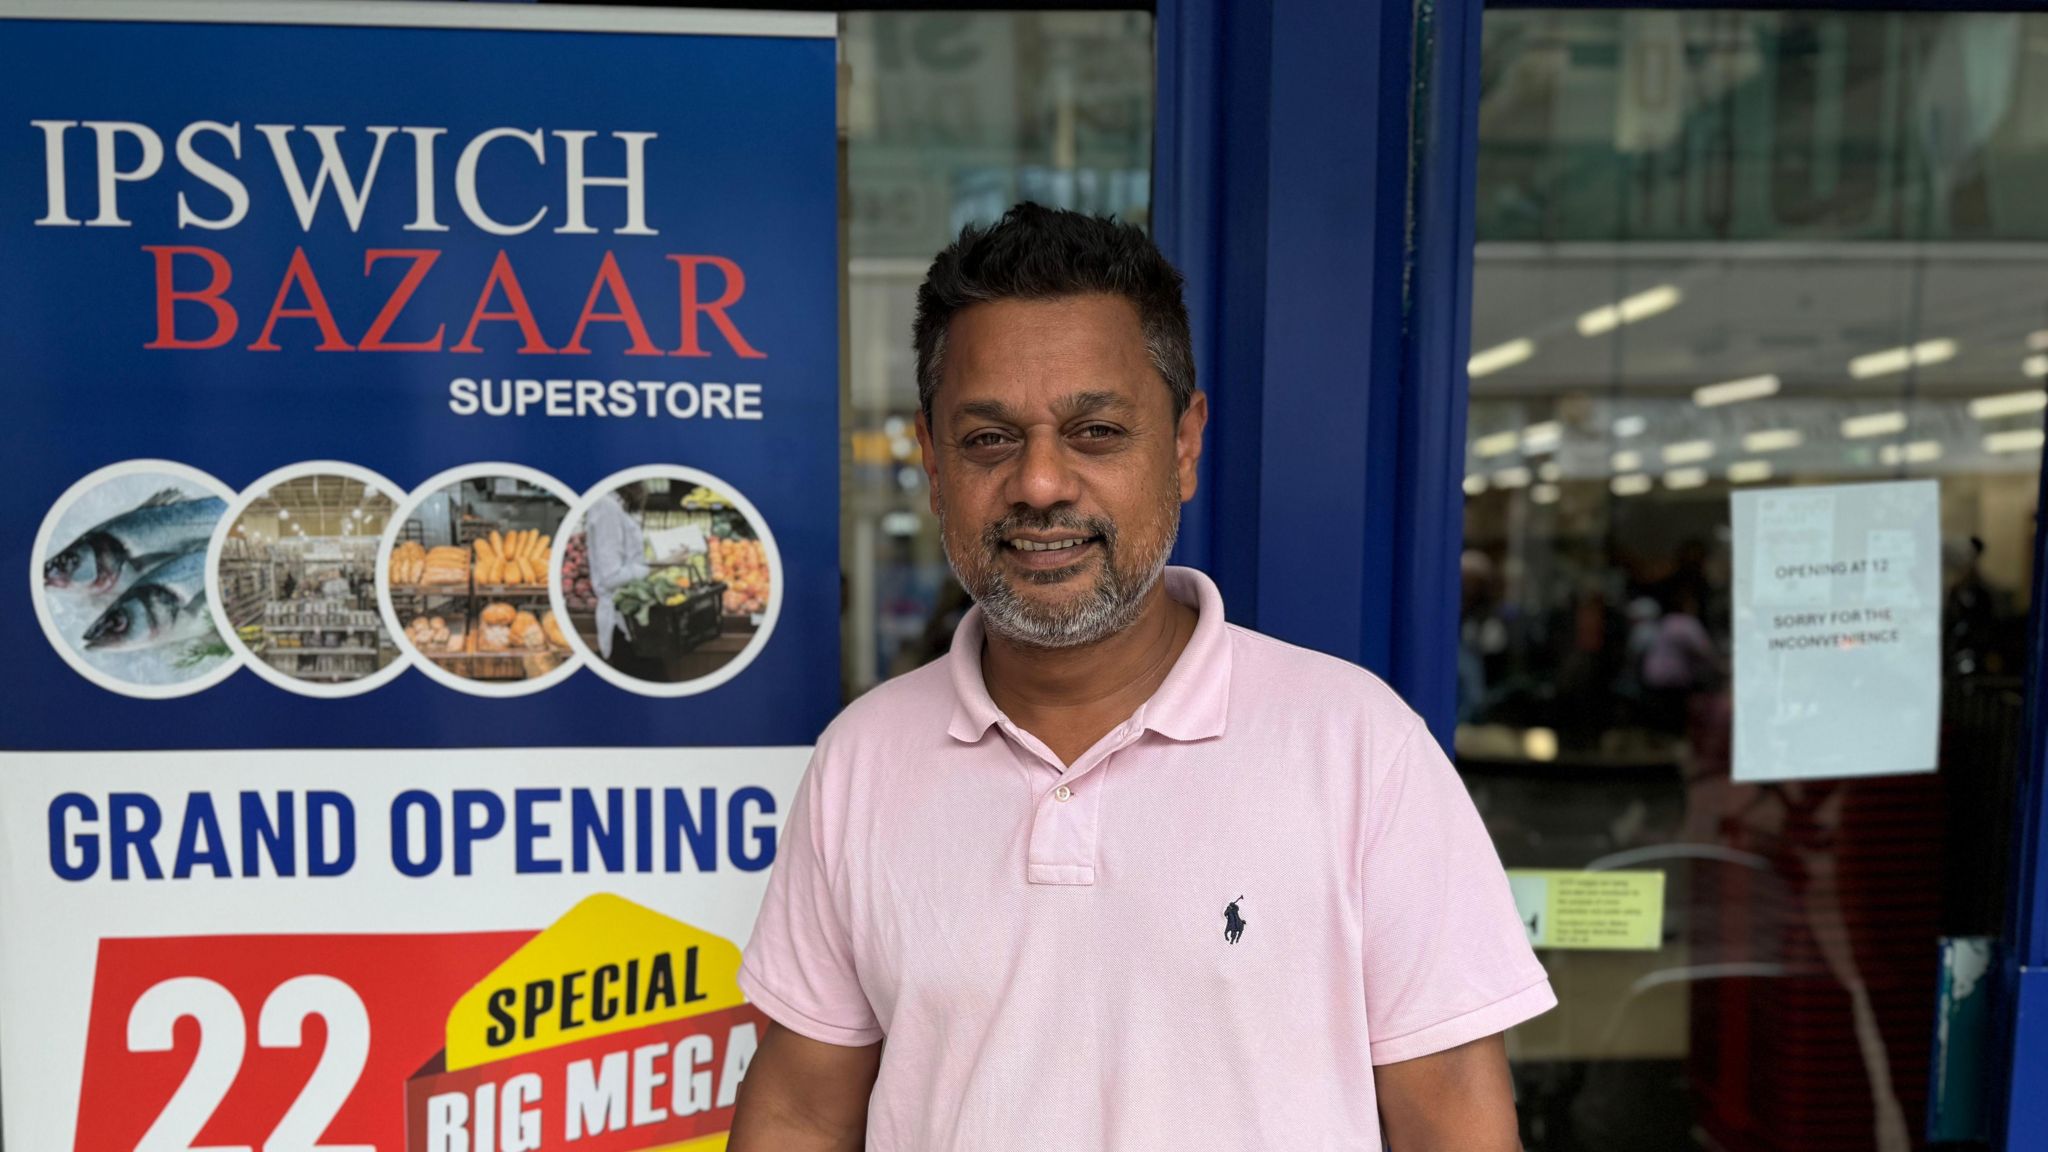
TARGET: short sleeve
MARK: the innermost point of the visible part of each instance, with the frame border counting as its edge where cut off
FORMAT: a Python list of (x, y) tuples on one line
[(799, 965), (1446, 958)]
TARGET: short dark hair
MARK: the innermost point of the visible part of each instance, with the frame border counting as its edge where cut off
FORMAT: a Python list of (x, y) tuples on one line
[(1040, 253)]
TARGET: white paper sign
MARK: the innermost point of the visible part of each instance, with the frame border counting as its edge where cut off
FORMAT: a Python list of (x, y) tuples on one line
[(1837, 628)]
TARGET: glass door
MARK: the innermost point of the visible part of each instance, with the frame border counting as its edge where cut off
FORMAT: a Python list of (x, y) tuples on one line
[(1728, 251)]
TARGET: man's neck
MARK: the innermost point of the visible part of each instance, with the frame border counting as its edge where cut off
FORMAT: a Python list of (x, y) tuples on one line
[(1070, 697)]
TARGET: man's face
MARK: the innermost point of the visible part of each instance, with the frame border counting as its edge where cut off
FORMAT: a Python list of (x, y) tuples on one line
[(1057, 467)]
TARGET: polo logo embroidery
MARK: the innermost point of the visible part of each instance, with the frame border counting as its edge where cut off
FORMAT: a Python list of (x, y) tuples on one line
[(1233, 924)]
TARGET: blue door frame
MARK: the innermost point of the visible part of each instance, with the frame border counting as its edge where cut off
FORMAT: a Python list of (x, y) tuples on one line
[(1329, 267)]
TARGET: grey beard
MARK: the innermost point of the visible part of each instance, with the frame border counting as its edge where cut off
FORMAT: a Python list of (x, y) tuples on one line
[(1110, 608)]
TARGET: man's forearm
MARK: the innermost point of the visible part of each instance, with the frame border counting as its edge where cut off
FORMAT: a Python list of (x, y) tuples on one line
[(1459, 1100), (766, 1125)]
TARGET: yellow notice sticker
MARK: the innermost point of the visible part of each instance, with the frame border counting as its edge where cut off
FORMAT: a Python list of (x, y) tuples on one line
[(1612, 911)]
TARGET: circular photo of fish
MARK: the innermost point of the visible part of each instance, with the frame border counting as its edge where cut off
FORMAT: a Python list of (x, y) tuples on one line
[(119, 579)]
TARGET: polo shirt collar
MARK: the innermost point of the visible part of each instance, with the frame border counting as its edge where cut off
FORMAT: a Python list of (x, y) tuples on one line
[(1190, 704)]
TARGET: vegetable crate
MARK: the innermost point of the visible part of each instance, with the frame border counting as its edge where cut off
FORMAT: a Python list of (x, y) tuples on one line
[(681, 627)]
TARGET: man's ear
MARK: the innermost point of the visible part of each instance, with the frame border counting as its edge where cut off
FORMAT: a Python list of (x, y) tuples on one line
[(1187, 444)]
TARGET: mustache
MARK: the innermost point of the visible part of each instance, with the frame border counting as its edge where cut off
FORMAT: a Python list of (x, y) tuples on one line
[(1055, 520)]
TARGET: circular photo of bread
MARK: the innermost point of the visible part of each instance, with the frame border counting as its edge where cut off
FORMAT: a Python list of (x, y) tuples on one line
[(296, 573), (464, 580), (669, 579), (120, 583)]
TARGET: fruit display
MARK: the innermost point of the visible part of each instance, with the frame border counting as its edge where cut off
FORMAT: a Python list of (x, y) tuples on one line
[(742, 566), (576, 587), (515, 559), (637, 600)]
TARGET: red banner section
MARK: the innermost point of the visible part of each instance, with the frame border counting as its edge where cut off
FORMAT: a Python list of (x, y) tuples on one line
[(287, 1041)]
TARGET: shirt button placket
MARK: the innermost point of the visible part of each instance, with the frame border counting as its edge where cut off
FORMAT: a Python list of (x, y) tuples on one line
[(1066, 822)]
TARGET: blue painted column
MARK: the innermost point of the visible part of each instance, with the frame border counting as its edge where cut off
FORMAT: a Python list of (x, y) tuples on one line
[(1314, 182), (2025, 1117)]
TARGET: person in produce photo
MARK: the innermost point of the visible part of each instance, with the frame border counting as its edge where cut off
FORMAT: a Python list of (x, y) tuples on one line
[(1116, 873), (617, 552)]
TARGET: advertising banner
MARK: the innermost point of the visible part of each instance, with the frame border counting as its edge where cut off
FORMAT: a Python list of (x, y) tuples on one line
[(423, 462)]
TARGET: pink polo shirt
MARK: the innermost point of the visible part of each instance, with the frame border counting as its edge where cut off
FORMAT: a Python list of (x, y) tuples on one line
[(1201, 935)]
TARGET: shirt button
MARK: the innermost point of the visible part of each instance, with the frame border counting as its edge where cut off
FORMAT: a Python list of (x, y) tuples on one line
[(1063, 793)]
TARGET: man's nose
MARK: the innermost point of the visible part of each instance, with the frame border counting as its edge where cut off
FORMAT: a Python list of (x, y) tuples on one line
[(1043, 475)]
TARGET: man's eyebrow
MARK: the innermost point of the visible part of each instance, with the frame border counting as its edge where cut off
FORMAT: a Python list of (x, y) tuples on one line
[(1068, 407)]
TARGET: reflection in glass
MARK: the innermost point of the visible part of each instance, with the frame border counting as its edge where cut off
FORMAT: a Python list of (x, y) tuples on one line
[(1718, 250), (952, 117)]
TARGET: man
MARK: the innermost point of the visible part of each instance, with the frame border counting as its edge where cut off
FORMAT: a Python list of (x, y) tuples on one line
[(1116, 874)]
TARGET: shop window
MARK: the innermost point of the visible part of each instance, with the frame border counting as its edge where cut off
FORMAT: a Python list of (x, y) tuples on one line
[(1722, 251), (950, 118)]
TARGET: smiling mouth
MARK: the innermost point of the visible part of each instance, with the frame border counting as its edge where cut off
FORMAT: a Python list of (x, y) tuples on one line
[(1050, 546)]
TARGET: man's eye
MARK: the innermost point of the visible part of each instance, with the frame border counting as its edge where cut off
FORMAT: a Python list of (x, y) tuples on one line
[(986, 440), (1097, 432)]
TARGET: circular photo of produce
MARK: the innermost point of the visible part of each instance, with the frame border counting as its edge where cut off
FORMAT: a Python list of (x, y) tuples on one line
[(120, 579), (669, 579), (465, 579), (296, 578)]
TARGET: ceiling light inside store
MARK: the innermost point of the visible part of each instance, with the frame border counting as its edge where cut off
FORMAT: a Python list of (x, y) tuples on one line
[(2035, 366), (1633, 484), (1627, 461), (1679, 479), (1918, 452), (1496, 444), (2009, 404), (1899, 359), (1543, 437), (1511, 478), (1688, 451), (2038, 341), (2020, 440), (1640, 306), (1629, 426), (1749, 471), (1539, 743), (1475, 485), (1735, 391), (1544, 494), (1773, 440), (1550, 472), (1874, 424), (1500, 356)]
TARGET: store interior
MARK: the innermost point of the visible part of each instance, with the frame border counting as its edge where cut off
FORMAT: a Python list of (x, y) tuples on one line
[(298, 579), (468, 577)]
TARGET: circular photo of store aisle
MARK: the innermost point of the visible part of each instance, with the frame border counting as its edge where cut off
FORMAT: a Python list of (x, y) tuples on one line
[(296, 571), (120, 582), (466, 580), (669, 580)]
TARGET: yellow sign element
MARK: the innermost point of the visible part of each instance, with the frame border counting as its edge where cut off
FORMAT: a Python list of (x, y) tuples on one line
[(607, 966), (1613, 911)]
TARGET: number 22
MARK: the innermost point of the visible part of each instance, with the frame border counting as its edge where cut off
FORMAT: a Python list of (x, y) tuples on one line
[(223, 1039)]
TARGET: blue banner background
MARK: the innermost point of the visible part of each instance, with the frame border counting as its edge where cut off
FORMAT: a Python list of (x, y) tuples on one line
[(743, 167)]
